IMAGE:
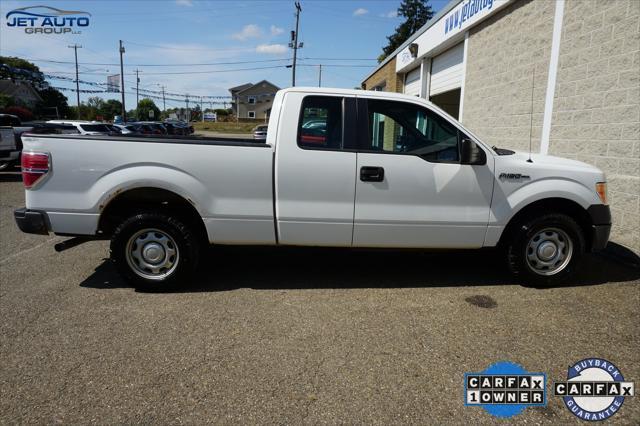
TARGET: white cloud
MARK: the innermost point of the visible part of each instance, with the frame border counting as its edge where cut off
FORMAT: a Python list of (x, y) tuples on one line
[(391, 14), (247, 32), (272, 49), (187, 3), (276, 30), (360, 11)]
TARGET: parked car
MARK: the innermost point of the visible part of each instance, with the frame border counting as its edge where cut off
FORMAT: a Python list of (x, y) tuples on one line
[(391, 171), (260, 132), (127, 129), (11, 128), (156, 128), (54, 129), (85, 127), (175, 129)]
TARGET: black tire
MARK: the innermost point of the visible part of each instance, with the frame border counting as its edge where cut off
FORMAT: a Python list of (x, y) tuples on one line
[(524, 262), (181, 250)]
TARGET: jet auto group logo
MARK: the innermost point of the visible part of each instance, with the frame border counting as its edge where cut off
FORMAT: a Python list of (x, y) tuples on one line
[(48, 20)]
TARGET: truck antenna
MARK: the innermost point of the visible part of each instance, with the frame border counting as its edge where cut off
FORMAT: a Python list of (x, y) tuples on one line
[(533, 80)]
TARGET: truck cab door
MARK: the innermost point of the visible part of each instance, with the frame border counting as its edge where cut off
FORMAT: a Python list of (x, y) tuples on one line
[(315, 170), (412, 189)]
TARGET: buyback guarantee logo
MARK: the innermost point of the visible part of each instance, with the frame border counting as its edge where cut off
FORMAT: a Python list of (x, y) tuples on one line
[(48, 20), (505, 389), (595, 389)]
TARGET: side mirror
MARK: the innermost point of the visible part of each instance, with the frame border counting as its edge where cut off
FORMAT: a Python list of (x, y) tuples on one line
[(470, 153)]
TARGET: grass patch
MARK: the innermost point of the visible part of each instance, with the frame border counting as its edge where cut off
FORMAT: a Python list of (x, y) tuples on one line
[(225, 127)]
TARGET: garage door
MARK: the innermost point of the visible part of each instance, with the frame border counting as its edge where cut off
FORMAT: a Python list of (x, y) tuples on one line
[(446, 70), (412, 82)]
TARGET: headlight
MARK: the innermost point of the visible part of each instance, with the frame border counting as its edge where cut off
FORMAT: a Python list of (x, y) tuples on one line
[(601, 189)]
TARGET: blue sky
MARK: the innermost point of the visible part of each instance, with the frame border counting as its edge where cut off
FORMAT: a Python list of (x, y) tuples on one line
[(186, 32)]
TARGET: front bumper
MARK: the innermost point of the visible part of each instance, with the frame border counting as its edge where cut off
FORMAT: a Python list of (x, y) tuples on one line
[(32, 221), (600, 226)]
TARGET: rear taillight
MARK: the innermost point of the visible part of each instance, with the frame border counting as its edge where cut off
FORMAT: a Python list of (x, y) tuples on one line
[(35, 166)]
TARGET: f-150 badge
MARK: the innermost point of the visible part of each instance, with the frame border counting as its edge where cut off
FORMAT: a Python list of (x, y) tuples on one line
[(513, 176)]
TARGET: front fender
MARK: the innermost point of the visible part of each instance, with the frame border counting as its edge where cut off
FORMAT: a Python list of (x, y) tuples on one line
[(508, 201)]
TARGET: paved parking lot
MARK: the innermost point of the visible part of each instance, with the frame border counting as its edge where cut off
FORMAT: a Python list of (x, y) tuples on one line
[(291, 336)]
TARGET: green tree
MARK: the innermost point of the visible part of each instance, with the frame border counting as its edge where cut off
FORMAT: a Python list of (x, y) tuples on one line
[(144, 106), (6, 101), (110, 109), (416, 14), (51, 98), (95, 104)]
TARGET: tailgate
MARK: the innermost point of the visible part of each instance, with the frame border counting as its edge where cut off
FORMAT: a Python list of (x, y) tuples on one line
[(7, 139)]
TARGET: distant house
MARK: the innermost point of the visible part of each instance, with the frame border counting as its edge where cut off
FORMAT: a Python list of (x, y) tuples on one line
[(181, 114), (253, 100), (22, 92)]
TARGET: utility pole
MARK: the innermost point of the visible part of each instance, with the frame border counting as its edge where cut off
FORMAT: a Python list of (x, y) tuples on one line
[(75, 49), (320, 75), (201, 109), (124, 110), (164, 106), (294, 44), (188, 115), (137, 95)]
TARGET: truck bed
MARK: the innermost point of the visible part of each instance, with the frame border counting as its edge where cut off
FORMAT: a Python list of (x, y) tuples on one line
[(193, 140)]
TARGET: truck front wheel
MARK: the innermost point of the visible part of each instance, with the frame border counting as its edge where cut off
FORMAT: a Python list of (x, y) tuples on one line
[(154, 251), (546, 250)]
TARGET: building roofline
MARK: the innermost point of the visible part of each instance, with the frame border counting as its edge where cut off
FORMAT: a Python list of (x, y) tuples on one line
[(411, 39), (254, 85), (239, 86)]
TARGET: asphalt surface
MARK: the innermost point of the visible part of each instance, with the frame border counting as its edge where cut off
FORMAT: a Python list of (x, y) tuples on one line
[(292, 336)]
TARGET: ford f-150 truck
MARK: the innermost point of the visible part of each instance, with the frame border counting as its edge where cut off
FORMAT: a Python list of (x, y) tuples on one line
[(340, 168)]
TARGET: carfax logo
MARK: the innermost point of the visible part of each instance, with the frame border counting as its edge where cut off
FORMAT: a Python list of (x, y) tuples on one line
[(48, 20), (595, 389), (505, 389)]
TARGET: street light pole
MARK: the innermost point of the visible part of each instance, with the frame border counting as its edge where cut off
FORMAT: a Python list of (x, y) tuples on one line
[(75, 49), (124, 110), (320, 75)]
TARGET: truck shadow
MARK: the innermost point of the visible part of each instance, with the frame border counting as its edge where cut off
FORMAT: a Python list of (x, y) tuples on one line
[(264, 268)]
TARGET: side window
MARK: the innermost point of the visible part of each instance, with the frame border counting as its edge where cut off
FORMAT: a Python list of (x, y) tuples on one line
[(320, 123), (408, 128), (252, 99)]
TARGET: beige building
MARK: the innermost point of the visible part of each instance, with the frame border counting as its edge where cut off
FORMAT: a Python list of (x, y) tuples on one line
[(562, 76), (253, 101)]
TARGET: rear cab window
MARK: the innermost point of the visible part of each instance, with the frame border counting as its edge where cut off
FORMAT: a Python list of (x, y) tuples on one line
[(320, 124)]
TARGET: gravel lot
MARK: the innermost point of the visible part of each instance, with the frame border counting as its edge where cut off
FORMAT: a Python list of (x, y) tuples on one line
[(292, 336)]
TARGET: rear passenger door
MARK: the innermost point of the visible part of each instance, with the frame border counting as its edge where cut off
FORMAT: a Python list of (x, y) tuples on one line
[(315, 170)]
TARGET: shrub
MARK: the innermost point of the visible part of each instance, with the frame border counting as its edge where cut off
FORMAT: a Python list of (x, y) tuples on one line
[(23, 113)]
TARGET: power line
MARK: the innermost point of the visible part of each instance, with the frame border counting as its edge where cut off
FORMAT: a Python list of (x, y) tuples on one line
[(160, 65)]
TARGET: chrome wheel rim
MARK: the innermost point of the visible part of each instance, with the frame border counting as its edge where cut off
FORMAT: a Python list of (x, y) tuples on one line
[(152, 254), (549, 251)]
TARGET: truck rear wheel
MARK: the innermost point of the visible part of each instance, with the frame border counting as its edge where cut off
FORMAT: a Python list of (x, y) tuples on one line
[(154, 251), (546, 250)]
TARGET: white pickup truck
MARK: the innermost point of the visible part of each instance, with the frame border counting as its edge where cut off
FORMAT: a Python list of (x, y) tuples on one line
[(340, 168)]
